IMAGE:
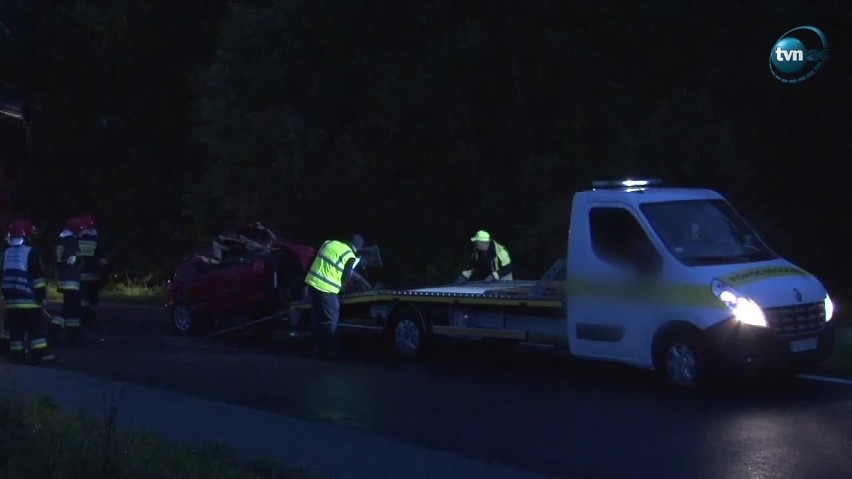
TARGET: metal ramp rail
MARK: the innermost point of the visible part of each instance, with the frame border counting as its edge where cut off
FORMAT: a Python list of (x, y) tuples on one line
[(277, 316)]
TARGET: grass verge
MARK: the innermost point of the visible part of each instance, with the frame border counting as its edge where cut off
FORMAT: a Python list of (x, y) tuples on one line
[(841, 361), (127, 291), (39, 439)]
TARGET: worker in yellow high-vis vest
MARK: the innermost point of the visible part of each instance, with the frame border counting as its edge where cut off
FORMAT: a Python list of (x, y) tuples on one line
[(330, 270), (489, 261)]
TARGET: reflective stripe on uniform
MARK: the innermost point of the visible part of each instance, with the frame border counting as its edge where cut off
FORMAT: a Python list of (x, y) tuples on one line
[(39, 343), (87, 247), (58, 321), (16, 346), (89, 277), (69, 285), (72, 323), (22, 304)]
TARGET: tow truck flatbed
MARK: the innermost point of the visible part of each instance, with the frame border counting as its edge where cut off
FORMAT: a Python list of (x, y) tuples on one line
[(529, 311), (504, 295)]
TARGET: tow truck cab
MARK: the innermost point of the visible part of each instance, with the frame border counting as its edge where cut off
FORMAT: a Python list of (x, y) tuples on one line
[(675, 279)]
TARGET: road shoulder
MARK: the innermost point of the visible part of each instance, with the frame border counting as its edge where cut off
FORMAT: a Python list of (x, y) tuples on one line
[(317, 447)]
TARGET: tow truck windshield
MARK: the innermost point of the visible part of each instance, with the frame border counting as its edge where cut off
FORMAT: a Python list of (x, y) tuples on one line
[(705, 233)]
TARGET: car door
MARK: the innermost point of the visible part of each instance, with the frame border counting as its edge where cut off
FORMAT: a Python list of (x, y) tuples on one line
[(245, 285), (215, 290), (611, 307)]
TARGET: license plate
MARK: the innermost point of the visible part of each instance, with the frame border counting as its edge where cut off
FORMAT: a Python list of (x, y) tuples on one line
[(803, 345)]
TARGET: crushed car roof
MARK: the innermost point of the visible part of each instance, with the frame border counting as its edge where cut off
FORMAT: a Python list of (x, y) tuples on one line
[(254, 237)]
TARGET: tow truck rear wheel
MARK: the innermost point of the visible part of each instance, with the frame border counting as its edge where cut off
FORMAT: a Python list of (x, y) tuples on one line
[(407, 333)]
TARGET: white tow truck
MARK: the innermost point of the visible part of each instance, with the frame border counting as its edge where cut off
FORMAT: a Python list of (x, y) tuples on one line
[(671, 279)]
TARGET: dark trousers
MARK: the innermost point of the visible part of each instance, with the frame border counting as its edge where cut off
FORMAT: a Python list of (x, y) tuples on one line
[(4, 338), (27, 323), (325, 307), (69, 317), (89, 299)]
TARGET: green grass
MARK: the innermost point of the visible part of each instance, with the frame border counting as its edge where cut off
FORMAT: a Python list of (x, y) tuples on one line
[(39, 439), (138, 291), (841, 361)]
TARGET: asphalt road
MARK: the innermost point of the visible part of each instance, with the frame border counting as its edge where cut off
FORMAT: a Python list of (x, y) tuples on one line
[(534, 410)]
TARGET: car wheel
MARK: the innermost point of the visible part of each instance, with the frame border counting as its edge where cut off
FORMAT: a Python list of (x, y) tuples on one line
[(182, 319), (408, 336), (683, 362)]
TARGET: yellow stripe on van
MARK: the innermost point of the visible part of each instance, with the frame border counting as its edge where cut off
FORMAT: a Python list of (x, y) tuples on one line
[(757, 274), (661, 293)]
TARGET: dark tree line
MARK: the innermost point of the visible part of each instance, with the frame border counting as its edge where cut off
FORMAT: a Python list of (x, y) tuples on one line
[(417, 123)]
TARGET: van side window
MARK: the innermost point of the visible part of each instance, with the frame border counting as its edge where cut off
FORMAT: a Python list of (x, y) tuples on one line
[(618, 238)]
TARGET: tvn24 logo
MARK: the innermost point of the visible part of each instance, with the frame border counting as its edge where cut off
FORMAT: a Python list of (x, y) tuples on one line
[(798, 54)]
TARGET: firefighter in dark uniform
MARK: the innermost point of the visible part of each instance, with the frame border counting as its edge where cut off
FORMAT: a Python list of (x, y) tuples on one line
[(330, 270), (24, 292), (489, 261), (68, 262), (91, 269)]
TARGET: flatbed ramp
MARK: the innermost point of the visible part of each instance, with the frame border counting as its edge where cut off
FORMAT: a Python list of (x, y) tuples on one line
[(277, 316), (453, 295)]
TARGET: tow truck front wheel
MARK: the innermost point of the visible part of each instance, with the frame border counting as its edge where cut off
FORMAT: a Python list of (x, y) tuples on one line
[(408, 336), (682, 362)]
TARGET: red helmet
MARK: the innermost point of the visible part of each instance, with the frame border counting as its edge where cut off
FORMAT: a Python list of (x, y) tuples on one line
[(21, 229), (75, 224), (88, 222)]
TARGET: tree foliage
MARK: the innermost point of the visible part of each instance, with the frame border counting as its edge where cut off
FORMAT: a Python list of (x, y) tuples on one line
[(417, 123)]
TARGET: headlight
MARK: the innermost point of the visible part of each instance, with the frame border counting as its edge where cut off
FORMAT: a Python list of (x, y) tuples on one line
[(745, 309), (829, 308)]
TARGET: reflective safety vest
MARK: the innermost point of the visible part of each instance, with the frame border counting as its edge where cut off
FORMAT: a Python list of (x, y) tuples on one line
[(498, 260), (19, 283), (326, 273)]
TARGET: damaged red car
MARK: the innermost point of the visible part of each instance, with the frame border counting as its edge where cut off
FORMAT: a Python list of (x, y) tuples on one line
[(247, 273)]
